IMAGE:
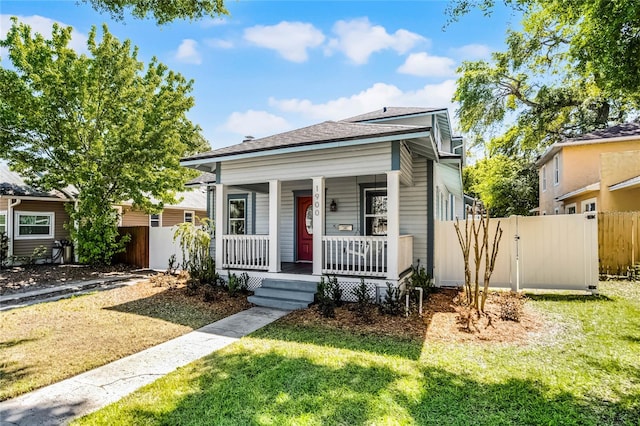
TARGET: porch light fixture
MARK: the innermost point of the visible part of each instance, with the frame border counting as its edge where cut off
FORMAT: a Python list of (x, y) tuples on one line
[(333, 206)]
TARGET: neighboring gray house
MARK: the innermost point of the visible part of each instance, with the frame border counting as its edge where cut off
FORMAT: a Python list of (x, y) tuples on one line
[(355, 198)]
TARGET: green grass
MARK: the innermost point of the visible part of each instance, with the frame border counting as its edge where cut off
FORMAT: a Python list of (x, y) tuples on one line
[(586, 371)]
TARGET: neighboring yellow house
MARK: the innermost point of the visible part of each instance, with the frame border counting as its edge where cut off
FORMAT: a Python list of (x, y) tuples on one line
[(598, 171)]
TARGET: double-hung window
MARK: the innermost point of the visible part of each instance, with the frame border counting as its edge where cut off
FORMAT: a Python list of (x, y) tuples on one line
[(556, 169), (3, 222), (32, 225), (237, 216), (375, 211), (155, 220), (544, 178), (188, 217)]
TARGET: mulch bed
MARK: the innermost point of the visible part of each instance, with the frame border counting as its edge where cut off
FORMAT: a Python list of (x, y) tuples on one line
[(34, 277), (444, 320)]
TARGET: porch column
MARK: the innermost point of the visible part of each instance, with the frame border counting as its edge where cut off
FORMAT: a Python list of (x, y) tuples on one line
[(275, 188), (393, 223), (220, 223), (318, 223)]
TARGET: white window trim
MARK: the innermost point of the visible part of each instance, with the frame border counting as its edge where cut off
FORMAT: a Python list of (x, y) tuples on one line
[(365, 215), (159, 221), (556, 170), (568, 206), (4, 213), (193, 216), (16, 230), (584, 203), (118, 210), (237, 219), (544, 178)]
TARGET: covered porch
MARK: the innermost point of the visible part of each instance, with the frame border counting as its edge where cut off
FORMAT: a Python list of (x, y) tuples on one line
[(346, 226)]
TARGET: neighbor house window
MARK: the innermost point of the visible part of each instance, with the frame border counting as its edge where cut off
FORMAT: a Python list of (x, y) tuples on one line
[(155, 220), (589, 205), (556, 170), (34, 225), (188, 217), (544, 178), (571, 208), (237, 216), (3, 222), (375, 211)]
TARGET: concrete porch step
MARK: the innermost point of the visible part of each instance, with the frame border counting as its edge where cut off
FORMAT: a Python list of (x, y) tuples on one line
[(275, 293), (309, 286), (284, 294), (285, 304)]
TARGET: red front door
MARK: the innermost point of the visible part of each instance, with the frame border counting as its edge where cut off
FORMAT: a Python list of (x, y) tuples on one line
[(304, 224)]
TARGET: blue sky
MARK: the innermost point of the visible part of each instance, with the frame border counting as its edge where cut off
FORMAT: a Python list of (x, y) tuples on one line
[(272, 66)]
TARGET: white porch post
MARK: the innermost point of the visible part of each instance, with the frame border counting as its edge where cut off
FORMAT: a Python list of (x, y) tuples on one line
[(275, 189), (318, 223), (393, 223), (220, 221)]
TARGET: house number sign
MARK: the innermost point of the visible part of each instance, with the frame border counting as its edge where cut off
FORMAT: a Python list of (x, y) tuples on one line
[(316, 202)]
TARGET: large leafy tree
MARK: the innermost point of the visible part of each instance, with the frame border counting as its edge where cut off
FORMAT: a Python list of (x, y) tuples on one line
[(506, 185), (103, 123), (163, 11), (574, 67)]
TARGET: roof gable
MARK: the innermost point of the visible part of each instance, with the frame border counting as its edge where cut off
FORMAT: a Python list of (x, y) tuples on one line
[(391, 112)]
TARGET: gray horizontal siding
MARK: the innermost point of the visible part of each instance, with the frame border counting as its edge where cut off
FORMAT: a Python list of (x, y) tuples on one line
[(332, 162), (413, 209)]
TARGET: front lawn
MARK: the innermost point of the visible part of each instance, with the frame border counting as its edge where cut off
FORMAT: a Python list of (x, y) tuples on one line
[(45, 343), (583, 369)]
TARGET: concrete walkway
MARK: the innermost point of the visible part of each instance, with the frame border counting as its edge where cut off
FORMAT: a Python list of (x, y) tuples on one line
[(63, 291), (80, 395)]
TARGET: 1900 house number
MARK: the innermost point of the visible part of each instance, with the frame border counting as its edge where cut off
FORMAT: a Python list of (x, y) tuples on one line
[(316, 202)]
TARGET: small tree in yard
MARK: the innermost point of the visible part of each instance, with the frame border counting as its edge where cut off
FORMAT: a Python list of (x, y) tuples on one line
[(476, 233), (194, 242), (100, 122)]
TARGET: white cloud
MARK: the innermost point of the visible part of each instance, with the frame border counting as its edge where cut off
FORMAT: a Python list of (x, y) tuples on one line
[(377, 96), (44, 25), (472, 52), (290, 39), (188, 52), (218, 43), (425, 65), (358, 39), (213, 22), (255, 123)]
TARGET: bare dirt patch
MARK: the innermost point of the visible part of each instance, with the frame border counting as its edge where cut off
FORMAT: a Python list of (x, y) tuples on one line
[(19, 279), (443, 320)]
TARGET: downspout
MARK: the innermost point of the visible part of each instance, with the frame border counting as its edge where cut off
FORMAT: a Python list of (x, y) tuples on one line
[(10, 205)]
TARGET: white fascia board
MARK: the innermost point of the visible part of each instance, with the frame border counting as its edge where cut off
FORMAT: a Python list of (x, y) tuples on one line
[(586, 189), (29, 198), (303, 148), (629, 183), (397, 117)]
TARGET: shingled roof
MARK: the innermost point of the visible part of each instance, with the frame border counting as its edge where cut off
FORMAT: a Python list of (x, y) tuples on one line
[(12, 184), (617, 131), (391, 112), (328, 131)]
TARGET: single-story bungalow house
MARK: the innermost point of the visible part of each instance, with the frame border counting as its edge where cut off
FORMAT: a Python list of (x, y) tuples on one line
[(355, 198)]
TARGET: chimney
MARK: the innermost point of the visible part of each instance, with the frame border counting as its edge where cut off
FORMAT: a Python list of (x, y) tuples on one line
[(248, 139)]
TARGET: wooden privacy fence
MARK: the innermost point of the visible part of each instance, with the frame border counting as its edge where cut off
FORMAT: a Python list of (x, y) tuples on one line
[(618, 241), (137, 250)]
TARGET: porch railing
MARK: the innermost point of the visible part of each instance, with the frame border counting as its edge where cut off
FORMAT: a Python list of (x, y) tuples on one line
[(355, 255), (245, 251), (405, 252)]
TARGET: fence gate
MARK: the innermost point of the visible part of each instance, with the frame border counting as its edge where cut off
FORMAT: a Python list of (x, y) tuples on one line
[(557, 252)]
